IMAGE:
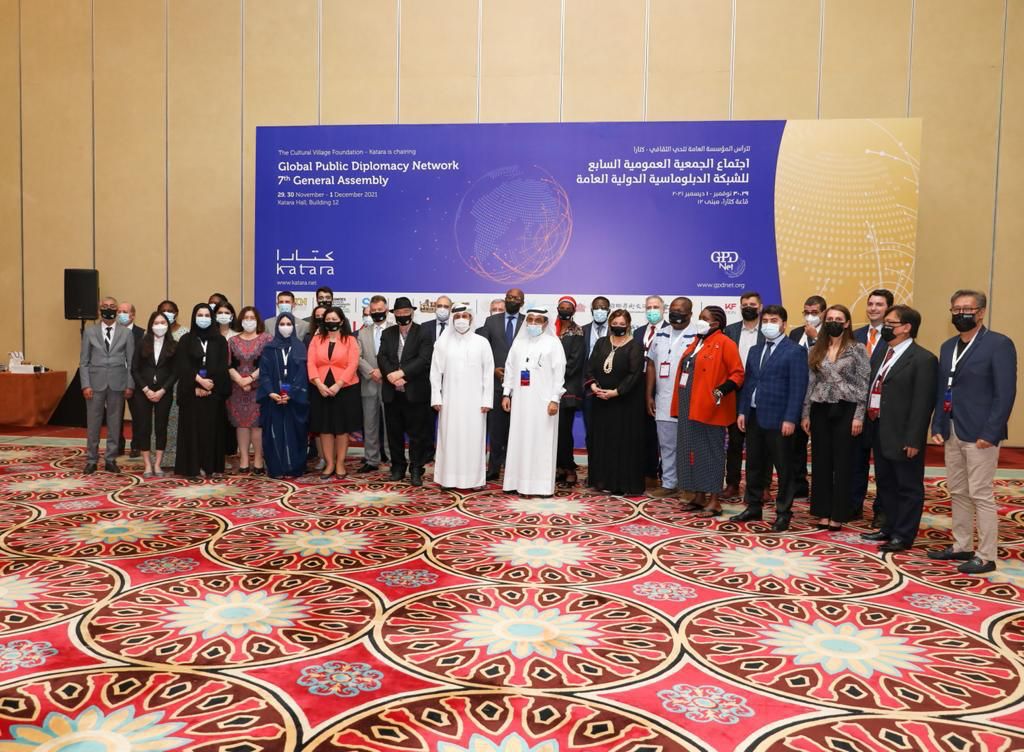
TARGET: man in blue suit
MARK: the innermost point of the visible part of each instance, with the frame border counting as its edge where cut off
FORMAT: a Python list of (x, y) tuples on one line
[(771, 402), (975, 392)]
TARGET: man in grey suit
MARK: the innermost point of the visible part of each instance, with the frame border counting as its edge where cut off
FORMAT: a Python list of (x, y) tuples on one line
[(105, 368), (499, 330), (370, 380)]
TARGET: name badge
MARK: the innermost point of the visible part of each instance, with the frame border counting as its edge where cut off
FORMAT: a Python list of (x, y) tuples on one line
[(202, 373), (524, 378), (684, 379), (947, 401), (875, 402), (664, 369), (285, 387)]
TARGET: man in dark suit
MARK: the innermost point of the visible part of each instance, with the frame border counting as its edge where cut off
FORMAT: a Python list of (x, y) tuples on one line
[(404, 362), (442, 312), (600, 308), (869, 335), (105, 367), (771, 402), (746, 334), (975, 392), (500, 330), (805, 336), (644, 335), (900, 400)]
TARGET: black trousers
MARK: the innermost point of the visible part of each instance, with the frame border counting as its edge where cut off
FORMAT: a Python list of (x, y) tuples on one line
[(798, 456), (652, 462), (900, 490), (498, 422), (412, 419), (147, 416), (564, 458), (830, 466), (734, 459), (860, 468), (765, 448)]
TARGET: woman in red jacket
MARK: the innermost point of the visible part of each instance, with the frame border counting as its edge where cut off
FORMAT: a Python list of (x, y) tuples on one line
[(710, 374), (336, 407)]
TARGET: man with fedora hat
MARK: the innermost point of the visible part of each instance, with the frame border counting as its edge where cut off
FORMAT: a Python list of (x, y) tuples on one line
[(404, 362)]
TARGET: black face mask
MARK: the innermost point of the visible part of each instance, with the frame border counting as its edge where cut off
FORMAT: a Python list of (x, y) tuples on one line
[(564, 314), (888, 335), (512, 307), (379, 316), (618, 331), (674, 317), (332, 326), (325, 302), (748, 313), (108, 314), (964, 322), (834, 328), (403, 320)]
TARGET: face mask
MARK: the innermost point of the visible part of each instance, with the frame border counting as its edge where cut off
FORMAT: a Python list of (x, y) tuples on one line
[(442, 313), (124, 319), (834, 328), (367, 320), (249, 325), (512, 308), (748, 313), (203, 322), (285, 330), (600, 315), (332, 326), (326, 302), (771, 330), (703, 327), (964, 322), (654, 315), (565, 314), (674, 317), (534, 330), (379, 316), (618, 331), (403, 320), (461, 325), (108, 314), (812, 320), (169, 315), (496, 311), (223, 319), (888, 333), (284, 308), (159, 329)]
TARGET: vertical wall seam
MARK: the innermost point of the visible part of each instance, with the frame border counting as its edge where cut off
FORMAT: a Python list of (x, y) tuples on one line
[(910, 54), (241, 157), (821, 51), (999, 144), (398, 62), (479, 53), (561, 64), (167, 150), (732, 58), (647, 51), (92, 77), (319, 56), (21, 174)]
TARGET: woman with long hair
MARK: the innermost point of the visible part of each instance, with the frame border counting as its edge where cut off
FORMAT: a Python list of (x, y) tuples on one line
[(154, 376), (245, 350)]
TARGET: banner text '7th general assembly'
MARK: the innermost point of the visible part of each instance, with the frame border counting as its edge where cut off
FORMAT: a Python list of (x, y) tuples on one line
[(310, 172)]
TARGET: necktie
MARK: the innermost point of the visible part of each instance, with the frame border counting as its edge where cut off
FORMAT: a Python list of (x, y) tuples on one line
[(876, 388), (768, 345), (510, 330), (872, 339), (443, 325), (107, 337), (376, 339)]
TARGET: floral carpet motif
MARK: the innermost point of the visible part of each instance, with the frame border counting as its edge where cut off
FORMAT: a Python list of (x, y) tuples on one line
[(246, 614)]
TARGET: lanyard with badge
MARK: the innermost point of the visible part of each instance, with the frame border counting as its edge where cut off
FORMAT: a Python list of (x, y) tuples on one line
[(524, 374), (203, 343), (665, 366), (684, 375), (285, 385), (947, 398)]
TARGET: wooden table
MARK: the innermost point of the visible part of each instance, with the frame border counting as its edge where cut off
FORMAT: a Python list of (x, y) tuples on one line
[(28, 399)]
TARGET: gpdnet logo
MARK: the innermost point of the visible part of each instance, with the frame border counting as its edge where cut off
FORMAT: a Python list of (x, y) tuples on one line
[(729, 262)]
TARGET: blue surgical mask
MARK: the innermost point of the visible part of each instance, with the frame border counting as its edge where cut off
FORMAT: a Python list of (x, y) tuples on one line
[(654, 315), (442, 313), (284, 308), (124, 319), (169, 315), (600, 315), (534, 330), (367, 321), (203, 322), (771, 330)]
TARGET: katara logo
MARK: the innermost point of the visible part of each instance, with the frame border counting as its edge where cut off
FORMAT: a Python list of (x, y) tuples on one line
[(729, 262)]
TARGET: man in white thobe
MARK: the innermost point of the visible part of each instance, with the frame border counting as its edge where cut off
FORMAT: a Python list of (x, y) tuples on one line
[(462, 393), (533, 385)]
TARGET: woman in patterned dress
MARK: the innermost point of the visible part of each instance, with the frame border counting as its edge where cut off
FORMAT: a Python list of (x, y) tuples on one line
[(244, 350), (170, 309)]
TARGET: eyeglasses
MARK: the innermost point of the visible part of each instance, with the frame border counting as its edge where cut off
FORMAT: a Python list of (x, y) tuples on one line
[(960, 309), (892, 323)]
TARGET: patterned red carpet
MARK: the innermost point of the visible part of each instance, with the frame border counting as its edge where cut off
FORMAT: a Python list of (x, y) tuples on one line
[(251, 615)]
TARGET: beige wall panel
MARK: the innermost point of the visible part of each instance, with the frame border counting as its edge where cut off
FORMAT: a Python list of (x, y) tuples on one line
[(359, 62), (131, 242), (688, 61), (56, 77), (776, 73), (204, 116), (439, 61), (521, 59), (865, 56), (1009, 258), (604, 60), (10, 178), (958, 98), (280, 89)]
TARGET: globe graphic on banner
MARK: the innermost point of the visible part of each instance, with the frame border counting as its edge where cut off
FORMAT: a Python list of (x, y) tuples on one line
[(513, 224)]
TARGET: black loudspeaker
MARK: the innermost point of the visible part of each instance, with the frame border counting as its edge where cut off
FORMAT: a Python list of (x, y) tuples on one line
[(81, 294)]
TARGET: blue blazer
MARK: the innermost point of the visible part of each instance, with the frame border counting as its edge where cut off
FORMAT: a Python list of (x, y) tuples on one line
[(780, 387), (984, 388)]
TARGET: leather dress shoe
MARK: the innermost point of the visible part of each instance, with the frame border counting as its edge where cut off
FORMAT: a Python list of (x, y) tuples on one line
[(747, 515), (416, 477), (878, 520), (896, 544), (663, 493), (976, 565), (397, 474), (948, 554), (111, 467), (90, 468), (878, 535), (781, 525), (366, 467)]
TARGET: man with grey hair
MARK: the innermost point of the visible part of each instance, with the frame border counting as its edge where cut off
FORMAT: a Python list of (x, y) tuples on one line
[(105, 369), (976, 389)]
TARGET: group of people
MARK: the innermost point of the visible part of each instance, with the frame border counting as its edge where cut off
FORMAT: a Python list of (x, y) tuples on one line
[(678, 398)]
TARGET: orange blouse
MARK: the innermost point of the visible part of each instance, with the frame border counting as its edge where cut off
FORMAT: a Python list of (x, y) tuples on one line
[(717, 361), (344, 363)]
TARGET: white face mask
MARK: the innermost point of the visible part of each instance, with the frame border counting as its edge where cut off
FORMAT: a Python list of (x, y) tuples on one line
[(771, 330), (534, 330), (461, 325), (249, 325), (813, 320), (442, 313), (367, 321), (203, 322), (159, 330), (285, 330), (223, 319), (703, 327)]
